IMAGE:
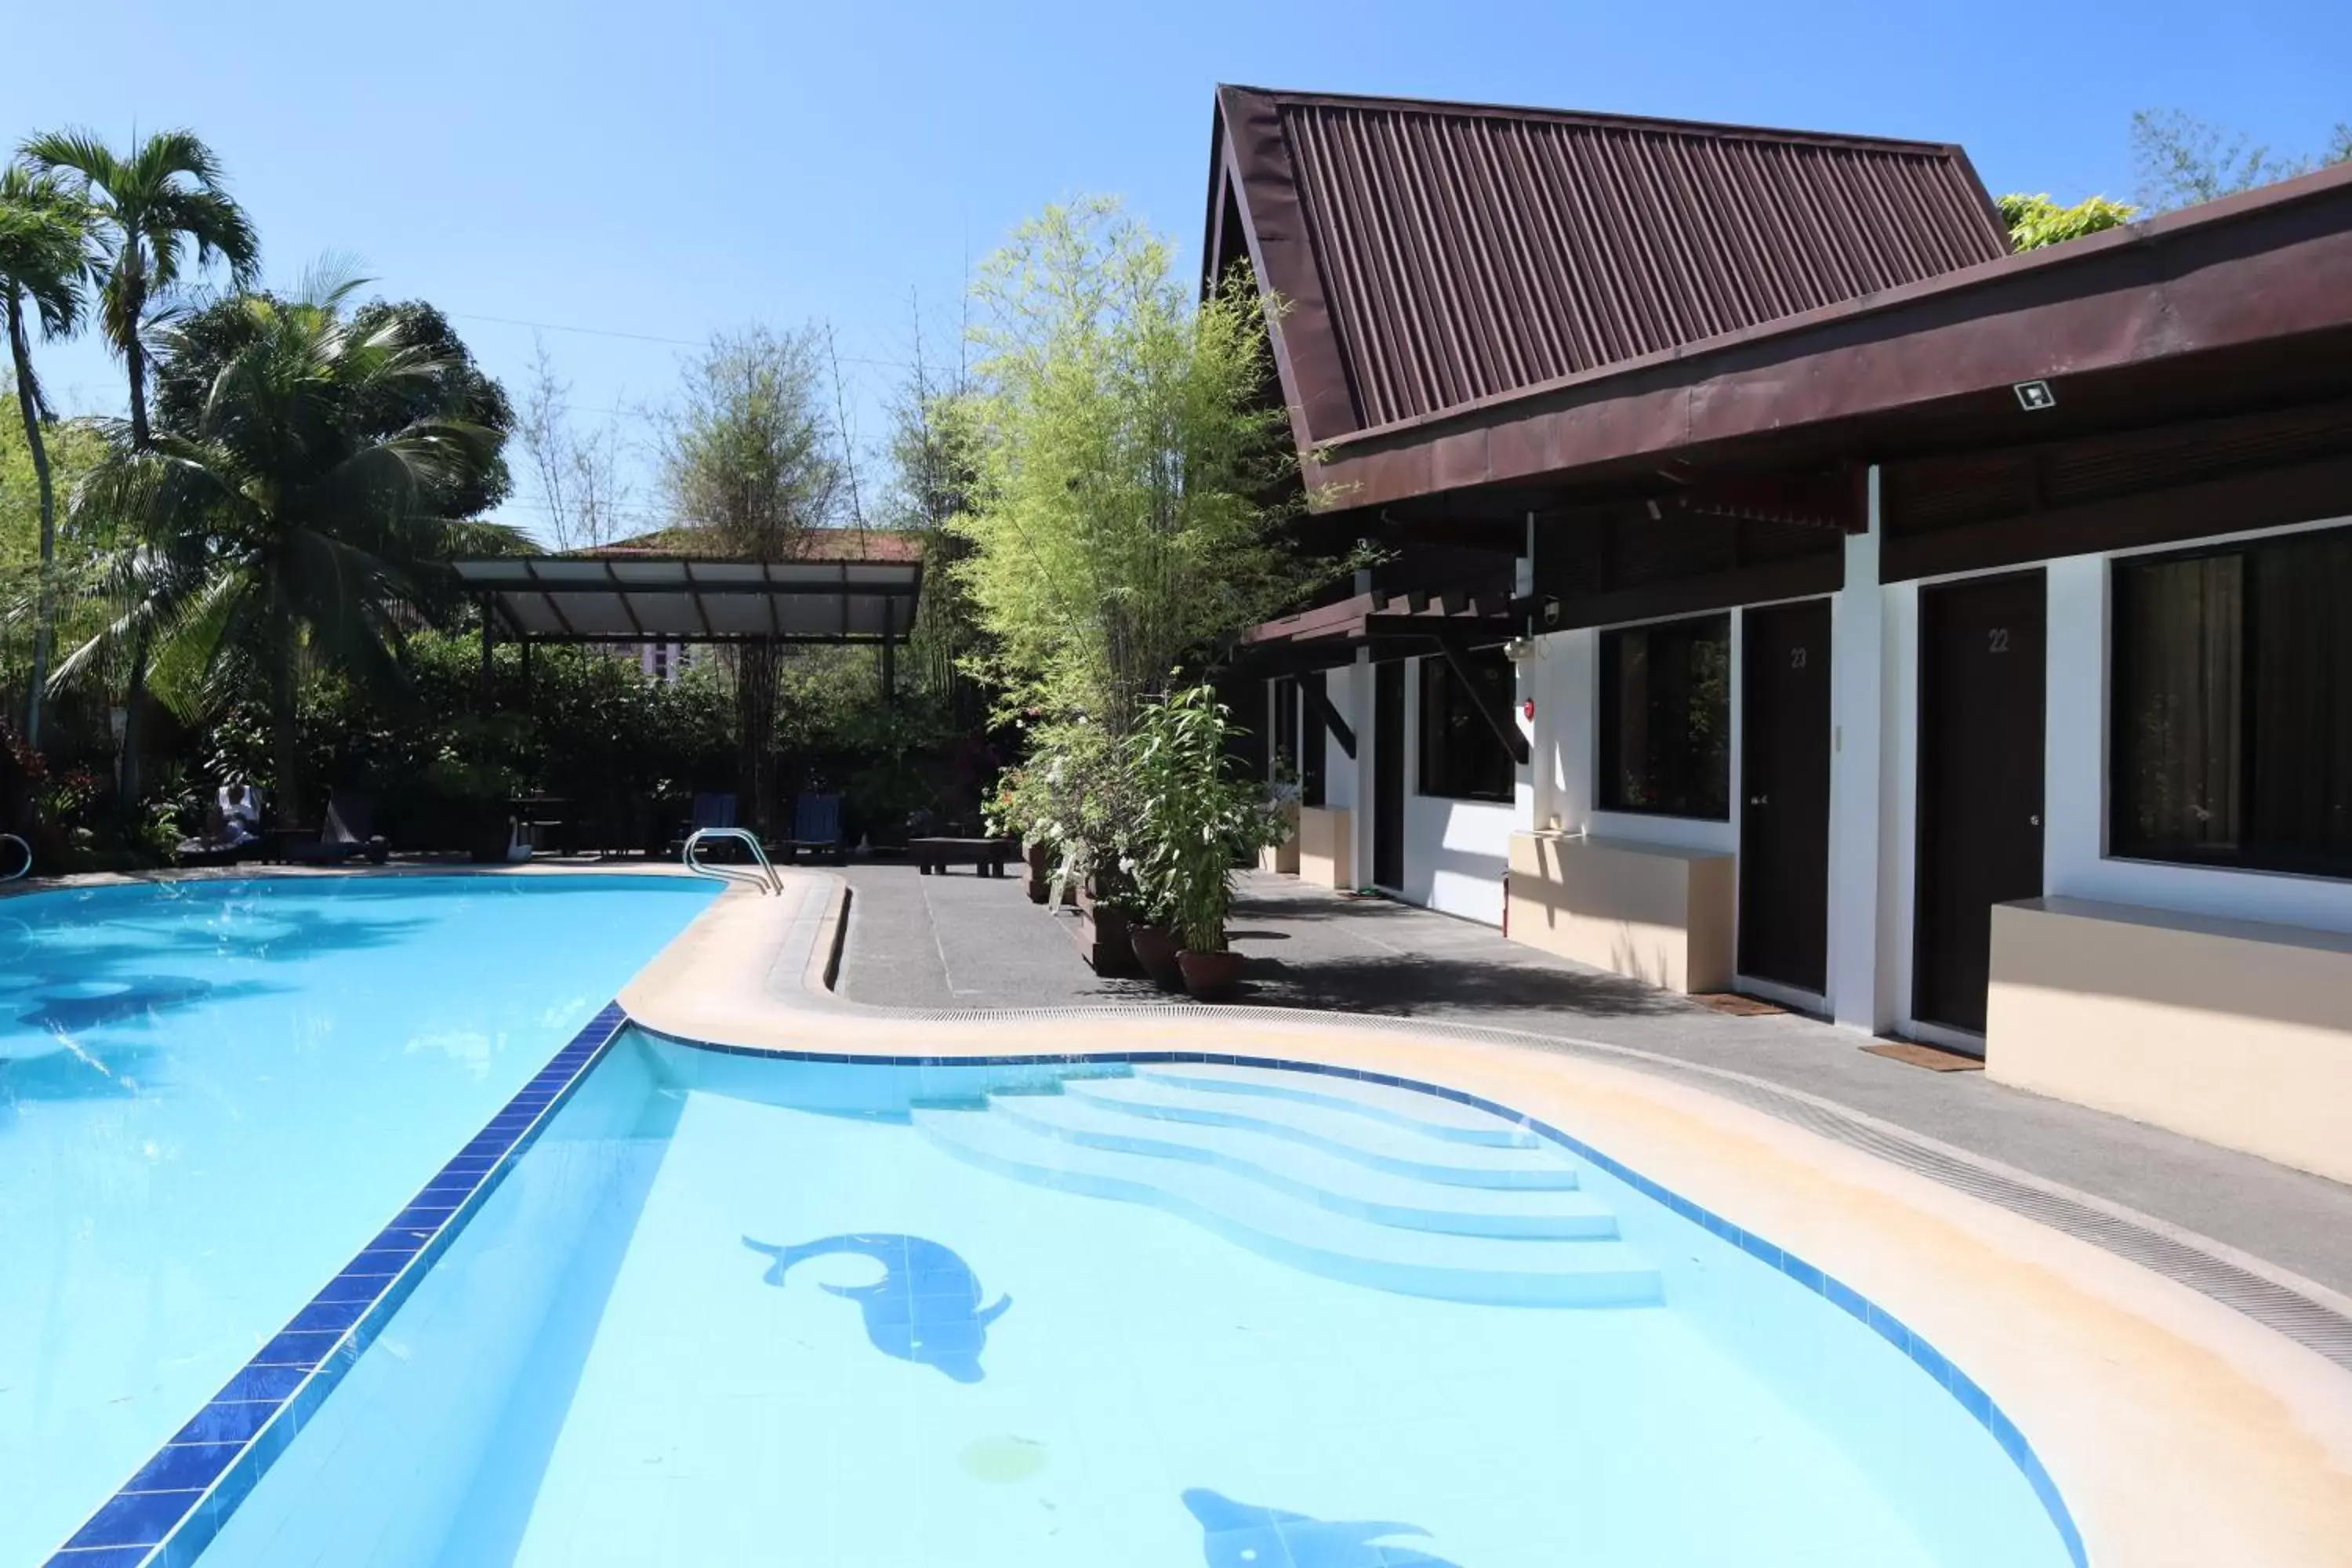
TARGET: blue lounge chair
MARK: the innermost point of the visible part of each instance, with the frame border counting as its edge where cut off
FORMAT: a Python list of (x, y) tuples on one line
[(816, 827)]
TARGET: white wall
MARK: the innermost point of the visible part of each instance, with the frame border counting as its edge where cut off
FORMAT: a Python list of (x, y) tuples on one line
[(1456, 851), (1858, 993)]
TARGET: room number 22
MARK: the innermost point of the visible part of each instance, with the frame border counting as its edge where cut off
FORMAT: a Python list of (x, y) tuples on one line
[(1997, 639)]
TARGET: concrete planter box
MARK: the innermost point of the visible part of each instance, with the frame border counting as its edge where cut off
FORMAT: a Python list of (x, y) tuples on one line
[(1283, 856), (1327, 847), (1657, 915), (2232, 1031)]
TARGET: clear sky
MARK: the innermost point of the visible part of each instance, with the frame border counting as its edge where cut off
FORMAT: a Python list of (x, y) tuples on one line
[(667, 171)]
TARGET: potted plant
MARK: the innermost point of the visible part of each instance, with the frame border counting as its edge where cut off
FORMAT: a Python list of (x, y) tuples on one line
[(1194, 818), (1068, 802)]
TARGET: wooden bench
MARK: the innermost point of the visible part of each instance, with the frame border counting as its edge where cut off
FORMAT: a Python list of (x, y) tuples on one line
[(987, 855)]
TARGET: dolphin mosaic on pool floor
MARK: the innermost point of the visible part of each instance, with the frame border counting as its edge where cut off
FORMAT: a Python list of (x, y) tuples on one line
[(926, 1307)]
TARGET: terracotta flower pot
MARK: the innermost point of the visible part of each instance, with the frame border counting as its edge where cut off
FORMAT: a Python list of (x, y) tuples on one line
[(1156, 951), (1211, 976)]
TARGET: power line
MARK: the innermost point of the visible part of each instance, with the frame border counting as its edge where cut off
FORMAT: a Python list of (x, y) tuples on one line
[(640, 337)]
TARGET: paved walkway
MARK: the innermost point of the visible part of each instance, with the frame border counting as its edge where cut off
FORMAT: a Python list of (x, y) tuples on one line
[(964, 941)]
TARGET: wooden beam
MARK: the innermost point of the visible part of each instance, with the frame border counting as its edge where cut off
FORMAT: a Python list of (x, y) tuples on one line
[(1317, 703)]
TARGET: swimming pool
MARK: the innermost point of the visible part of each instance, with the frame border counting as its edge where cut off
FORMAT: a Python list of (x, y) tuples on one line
[(212, 1092), (729, 1305)]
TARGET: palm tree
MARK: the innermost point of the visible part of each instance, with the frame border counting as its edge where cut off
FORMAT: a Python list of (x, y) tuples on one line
[(281, 529), (44, 256), (149, 210)]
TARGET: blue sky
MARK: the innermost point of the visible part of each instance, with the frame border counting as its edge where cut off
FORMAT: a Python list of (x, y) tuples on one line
[(670, 170)]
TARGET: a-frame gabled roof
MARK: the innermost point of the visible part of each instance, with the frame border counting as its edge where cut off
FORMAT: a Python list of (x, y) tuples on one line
[(1432, 255)]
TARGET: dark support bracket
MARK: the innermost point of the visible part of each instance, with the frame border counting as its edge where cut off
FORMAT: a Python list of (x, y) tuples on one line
[(1498, 720), (1318, 707)]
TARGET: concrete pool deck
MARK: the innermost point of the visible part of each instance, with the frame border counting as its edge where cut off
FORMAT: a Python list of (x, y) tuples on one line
[(2178, 1428)]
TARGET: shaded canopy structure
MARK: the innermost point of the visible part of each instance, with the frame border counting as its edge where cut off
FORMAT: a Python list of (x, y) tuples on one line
[(573, 599)]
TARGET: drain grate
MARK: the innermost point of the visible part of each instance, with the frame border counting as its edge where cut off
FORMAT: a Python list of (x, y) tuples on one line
[(2314, 1324)]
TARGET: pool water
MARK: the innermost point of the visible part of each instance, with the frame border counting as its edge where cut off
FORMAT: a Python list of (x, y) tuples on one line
[(737, 1308), (210, 1092)]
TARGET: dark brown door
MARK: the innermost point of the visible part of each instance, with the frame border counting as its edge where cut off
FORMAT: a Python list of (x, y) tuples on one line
[(1784, 787), (1982, 671), (1388, 775)]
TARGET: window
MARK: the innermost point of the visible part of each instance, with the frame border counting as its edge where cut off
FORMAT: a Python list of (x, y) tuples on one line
[(1461, 758), (1282, 757), (2232, 727), (1665, 719), (1313, 743)]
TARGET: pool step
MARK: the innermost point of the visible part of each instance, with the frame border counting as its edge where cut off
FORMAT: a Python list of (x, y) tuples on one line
[(1339, 1129), (1484, 1269), (1314, 1176), (1411, 1109)]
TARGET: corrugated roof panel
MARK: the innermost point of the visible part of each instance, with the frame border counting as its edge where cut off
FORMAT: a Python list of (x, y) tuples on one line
[(1461, 251)]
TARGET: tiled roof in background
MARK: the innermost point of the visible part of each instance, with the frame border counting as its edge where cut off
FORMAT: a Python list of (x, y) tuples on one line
[(867, 545), (1438, 253)]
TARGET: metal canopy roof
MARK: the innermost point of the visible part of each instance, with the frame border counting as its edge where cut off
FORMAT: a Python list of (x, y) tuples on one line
[(561, 598)]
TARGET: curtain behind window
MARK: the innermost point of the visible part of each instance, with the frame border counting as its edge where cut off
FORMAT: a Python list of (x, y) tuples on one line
[(2300, 810), (2178, 679)]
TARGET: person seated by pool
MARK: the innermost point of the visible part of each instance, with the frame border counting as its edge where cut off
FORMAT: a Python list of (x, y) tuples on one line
[(240, 806), (232, 823)]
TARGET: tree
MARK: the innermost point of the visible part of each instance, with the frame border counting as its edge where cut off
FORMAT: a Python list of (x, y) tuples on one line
[(1133, 470), (44, 256), (2183, 159), (2035, 221), (749, 464), (150, 210), (153, 212), (580, 484), (205, 342), (933, 468), (284, 527)]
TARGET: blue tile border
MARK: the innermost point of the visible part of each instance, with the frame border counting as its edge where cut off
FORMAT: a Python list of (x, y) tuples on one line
[(171, 1510), (1924, 1355)]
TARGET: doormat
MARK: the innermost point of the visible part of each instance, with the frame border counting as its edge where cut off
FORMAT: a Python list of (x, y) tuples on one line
[(1737, 1006), (1935, 1058)]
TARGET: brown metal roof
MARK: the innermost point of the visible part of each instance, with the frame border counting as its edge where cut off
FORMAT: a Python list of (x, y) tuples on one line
[(1432, 255), (2234, 303)]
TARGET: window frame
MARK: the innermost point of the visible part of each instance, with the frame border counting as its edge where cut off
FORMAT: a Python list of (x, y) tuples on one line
[(1606, 739), (2117, 840)]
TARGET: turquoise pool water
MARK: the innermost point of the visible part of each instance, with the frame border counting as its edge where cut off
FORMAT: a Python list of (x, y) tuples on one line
[(735, 1309), (211, 1094)]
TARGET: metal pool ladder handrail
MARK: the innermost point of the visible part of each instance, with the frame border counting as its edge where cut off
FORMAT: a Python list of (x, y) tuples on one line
[(765, 880), (22, 848)]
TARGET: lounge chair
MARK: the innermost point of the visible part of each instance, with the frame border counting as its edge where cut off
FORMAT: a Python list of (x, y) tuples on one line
[(816, 827), (712, 809), (350, 833)]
